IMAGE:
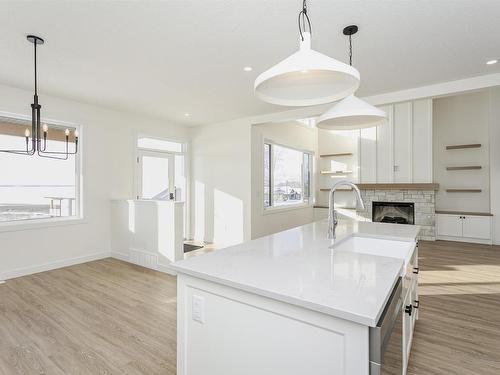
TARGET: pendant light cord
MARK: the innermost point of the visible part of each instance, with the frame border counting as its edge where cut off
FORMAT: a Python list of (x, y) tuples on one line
[(304, 21)]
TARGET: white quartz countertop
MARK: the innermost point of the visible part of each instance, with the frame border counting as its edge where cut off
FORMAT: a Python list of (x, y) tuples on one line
[(297, 266)]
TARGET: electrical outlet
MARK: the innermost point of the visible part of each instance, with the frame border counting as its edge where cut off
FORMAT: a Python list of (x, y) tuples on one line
[(198, 309)]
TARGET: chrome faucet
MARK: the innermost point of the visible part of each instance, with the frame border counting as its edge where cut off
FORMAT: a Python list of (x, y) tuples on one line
[(332, 213)]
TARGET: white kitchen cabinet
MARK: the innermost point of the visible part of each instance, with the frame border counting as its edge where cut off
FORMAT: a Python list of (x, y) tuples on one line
[(449, 225), (403, 142), (476, 227), (421, 167), (400, 150), (464, 228), (410, 306), (368, 155), (385, 150)]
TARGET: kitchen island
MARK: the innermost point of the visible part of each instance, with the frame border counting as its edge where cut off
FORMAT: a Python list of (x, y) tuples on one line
[(294, 302)]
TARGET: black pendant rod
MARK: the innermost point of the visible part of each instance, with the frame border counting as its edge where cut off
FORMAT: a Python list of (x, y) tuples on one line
[(350, 31)]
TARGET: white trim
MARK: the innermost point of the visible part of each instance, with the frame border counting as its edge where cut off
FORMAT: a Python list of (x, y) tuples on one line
[(52, 265), (164, 268), (410, 139), (436, 90), (290, 207), (464, 239), (21, 225)]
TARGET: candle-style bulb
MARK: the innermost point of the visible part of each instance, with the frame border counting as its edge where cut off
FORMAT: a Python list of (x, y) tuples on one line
[(66, 132), (45, 128), (76, 133), (27, 133)]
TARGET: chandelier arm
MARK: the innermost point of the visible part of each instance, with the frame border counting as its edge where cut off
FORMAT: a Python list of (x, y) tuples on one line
[(41, 152), (28, 151), (43, 155)]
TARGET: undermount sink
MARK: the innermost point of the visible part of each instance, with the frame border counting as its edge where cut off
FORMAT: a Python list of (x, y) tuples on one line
[(376, 246)]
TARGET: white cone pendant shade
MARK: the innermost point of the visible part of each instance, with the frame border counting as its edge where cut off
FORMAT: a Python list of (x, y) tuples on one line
[(306, 78), (351, 113)]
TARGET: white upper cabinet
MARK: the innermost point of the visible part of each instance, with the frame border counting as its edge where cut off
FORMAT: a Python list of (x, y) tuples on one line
[(401, 149), (385, 154), (403, 142), (368, 155), (422, 141)]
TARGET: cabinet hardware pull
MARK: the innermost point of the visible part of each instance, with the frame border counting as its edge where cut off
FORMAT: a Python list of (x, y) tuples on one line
[(417, 304), (416, 270), (408, 309)]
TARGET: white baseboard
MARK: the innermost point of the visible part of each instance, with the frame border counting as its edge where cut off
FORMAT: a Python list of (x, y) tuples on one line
[(464, 239), (164, 268), (24, 271)]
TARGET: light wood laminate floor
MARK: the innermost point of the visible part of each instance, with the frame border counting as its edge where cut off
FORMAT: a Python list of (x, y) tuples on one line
[(110, 317)]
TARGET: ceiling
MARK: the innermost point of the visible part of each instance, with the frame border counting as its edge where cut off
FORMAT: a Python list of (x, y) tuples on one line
[(168, 58)]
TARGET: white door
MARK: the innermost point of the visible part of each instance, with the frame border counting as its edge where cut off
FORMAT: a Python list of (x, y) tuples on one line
[(449, 225), (155, 172), (477, 227)]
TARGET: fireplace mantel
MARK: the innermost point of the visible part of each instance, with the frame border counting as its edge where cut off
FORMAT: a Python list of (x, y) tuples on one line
[(399, 186)]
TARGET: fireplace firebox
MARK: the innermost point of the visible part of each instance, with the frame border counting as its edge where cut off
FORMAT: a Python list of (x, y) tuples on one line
[(393, 212)]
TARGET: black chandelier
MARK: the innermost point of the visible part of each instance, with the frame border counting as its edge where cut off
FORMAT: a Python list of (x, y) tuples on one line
[(36, 139)]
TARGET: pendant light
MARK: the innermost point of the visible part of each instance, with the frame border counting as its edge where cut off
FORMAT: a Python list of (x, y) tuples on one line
[(307, 77), (351, 112), (36, 138)]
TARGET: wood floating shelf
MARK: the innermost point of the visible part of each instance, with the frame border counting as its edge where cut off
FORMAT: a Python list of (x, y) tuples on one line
[(399, 186), (339, 189), (459, 147), (336, 172), (464, 213), (464, 190), (334, 155), (464, 168)]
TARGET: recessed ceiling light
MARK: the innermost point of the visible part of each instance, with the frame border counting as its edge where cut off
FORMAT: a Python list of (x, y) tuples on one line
[(187, 114), (247, 68), (491, 62)]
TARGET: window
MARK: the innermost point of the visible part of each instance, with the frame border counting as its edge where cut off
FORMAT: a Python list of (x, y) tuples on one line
[(287, 176), (33, 187)]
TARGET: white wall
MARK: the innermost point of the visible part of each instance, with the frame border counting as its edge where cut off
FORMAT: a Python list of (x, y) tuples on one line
[(221, 177), (462, 119), (108, 167), (290, 134)]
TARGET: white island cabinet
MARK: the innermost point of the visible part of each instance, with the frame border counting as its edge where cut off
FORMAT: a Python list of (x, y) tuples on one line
[(293, 303)]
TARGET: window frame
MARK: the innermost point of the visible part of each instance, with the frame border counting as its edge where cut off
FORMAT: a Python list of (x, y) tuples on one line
[(78, 218), (293, 206)]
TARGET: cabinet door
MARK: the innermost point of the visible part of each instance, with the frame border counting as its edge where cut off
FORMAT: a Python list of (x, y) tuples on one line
[(368, 155), (403, 142), (477, 227), (422, 141), (449, 225), (408, 313), (385, 149)]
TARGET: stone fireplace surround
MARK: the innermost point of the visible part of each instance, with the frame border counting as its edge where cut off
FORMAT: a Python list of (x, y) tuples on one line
[(424, 201)]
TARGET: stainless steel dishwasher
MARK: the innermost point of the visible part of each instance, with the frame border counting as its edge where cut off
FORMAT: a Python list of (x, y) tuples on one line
[(386, 339)]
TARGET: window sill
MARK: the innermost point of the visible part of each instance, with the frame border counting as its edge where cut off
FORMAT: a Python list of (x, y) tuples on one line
[(278, 209), (21, 225)]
